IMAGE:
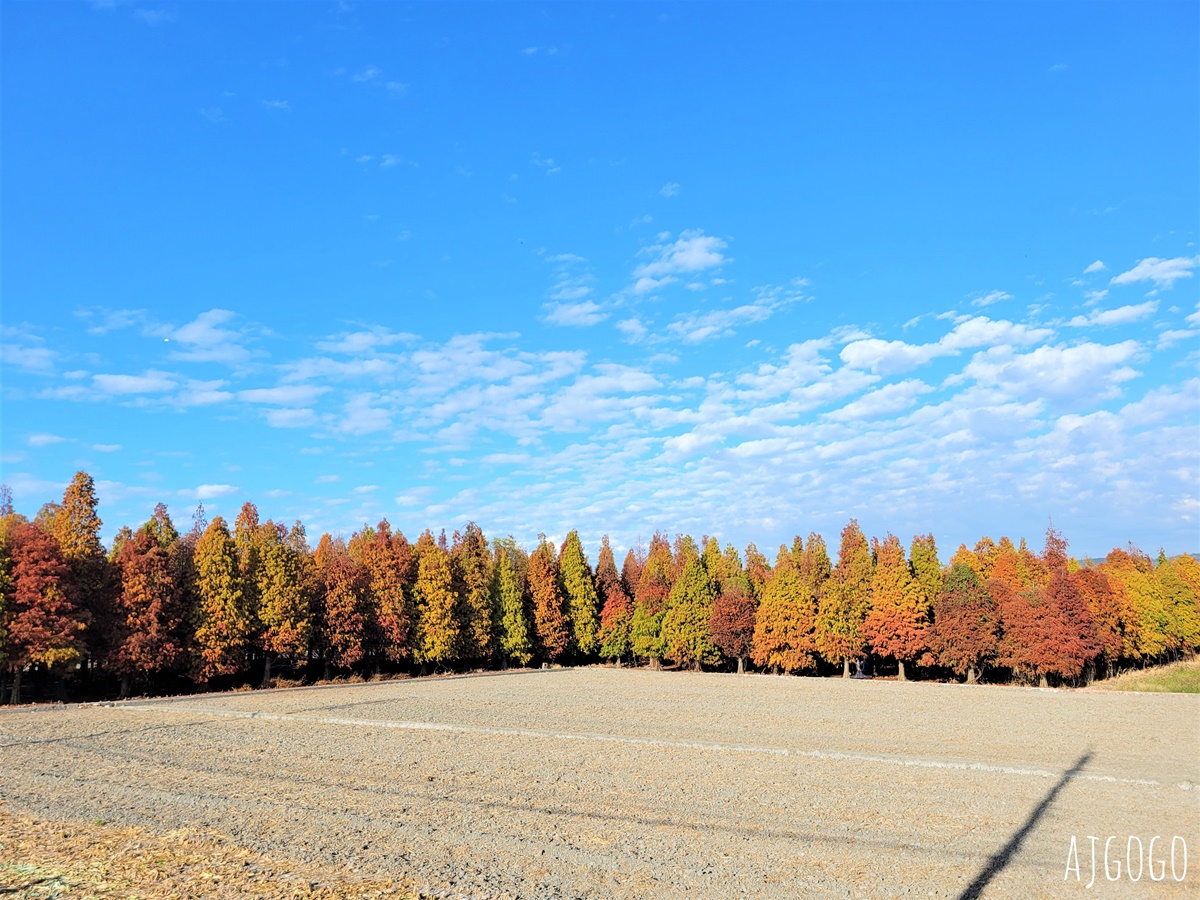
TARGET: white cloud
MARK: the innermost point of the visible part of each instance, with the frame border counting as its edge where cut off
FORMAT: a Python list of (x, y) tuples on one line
[(328, 479), (106, 448), (102, 321), (202, 393), (1171, 337), (991, 297), (894, 357), (633, 329), (693, 251), (153, 382), (670, 189), (580, 314), (1122, 315), (364, 341), (361, 417), (1097, 266), (1063, 373), (284, 395), (211, 491), (545, 162), (645, 285), (290, 418), (203, 340), (1194, 317), (693, 328), (884, 401), (1163, 272), (277, 105), (30, 358), (44, 440), (370, 73)]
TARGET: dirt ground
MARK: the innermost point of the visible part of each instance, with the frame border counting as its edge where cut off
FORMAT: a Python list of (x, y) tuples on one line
[(605, 782)]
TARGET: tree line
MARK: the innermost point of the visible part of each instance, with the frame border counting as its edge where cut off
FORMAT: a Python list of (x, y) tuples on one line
[(217, 605)]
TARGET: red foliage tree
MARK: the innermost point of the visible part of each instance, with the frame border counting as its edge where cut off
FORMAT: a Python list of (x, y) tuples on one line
[(1049, 631), (343, 617), (616, 607), (148, 623), (965, 626), (44, 624), (631, 571), (732, 621)]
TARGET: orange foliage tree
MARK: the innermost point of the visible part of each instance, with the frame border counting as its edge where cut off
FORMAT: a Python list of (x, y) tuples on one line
[(897, 621)]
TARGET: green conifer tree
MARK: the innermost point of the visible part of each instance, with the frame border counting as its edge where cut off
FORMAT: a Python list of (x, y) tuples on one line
[(222, 634), (686, 634), (580, 591)]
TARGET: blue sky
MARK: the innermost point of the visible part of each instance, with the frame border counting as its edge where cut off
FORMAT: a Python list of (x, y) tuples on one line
[(746, 270)]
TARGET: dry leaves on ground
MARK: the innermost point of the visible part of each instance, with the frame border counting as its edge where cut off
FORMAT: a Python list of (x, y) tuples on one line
[(75, 860)]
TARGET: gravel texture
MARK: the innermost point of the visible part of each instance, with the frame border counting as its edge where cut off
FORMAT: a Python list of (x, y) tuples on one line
[(613, 782)]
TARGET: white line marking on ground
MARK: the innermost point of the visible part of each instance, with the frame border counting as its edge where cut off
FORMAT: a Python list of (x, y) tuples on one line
[(835, 755)]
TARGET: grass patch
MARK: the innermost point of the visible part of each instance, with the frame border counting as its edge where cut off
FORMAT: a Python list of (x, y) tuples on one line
[(1176, 678)]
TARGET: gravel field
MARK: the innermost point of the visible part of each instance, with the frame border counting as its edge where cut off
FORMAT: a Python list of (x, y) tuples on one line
[(614, 782)]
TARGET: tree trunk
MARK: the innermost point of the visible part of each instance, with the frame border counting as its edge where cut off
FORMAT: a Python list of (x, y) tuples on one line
[(325, 677), (741, 665), (618, 662), (845, 667), (901, 662), (266, 682), (503, 663), (696, 666), (971, 676), (16, 688), (125, 686), (1042, 682), (655, 663)]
